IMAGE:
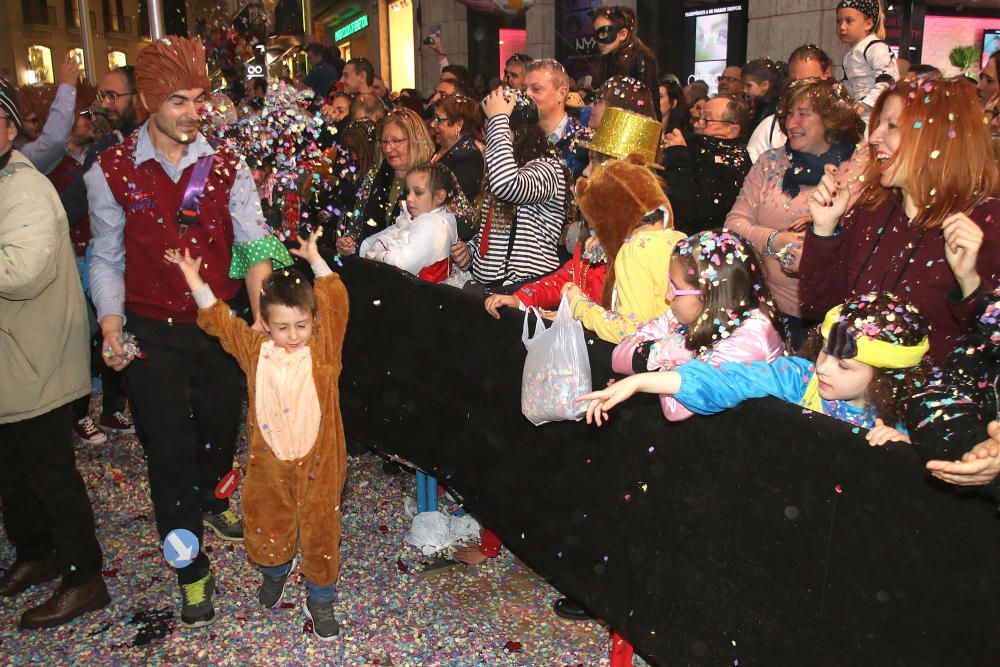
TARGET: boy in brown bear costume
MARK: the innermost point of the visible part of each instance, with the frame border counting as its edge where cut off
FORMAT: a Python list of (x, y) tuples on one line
[(297, 462)]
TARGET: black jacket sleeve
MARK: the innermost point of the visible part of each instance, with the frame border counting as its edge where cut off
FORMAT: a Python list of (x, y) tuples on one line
[(949, 417), (702, 184)]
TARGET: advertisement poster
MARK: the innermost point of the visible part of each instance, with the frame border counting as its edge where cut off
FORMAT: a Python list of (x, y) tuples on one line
[(575, 44), (711, 37)]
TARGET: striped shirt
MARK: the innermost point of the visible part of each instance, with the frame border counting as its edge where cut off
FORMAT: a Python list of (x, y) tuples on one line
[(539, 191)]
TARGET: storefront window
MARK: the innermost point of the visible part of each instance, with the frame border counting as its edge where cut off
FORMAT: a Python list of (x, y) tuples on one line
[(401, 48), (116, 59), (39, 64)]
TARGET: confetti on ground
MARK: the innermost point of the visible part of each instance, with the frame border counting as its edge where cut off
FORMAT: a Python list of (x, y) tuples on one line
[(497, 613)]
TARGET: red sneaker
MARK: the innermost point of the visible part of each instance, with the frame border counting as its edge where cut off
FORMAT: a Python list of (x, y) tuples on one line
[(87, 431), (117, 423)]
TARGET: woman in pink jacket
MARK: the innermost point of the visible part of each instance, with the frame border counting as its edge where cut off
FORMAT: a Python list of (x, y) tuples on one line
[(771, 210), (720, 310)]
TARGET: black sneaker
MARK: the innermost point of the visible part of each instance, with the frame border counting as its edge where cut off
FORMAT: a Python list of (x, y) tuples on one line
[(225, 525), (197, 609), (324, 623), (571, 610), (271, 591)]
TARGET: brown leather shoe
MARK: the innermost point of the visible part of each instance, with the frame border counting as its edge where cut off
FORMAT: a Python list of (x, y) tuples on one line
[(67, 603), (25, 574)]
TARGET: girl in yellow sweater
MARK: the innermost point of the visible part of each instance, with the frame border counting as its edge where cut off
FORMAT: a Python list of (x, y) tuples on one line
[(637, 282)]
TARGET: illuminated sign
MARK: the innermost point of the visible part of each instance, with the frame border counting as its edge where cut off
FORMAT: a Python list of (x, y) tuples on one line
[(351, 28)]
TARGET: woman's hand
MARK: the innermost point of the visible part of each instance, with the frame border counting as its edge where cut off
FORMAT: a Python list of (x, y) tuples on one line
[(882, 434), (828, 202), (308, 248), (979, 466), (494, 302), (788, 245), (461, 255), (499, 103), (962, 240), (346, 245), (605, 399)]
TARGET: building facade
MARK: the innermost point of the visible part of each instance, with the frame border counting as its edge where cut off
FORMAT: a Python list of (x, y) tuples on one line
[(36, 34)]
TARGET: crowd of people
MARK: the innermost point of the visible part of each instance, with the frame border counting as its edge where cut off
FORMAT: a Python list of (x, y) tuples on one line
[(833, 243)]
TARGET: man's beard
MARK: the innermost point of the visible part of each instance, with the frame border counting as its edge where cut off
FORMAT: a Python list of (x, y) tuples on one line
[(176, 133), (126, 119)]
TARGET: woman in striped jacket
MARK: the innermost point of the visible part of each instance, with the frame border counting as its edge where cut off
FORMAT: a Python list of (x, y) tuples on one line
[(523, 208)]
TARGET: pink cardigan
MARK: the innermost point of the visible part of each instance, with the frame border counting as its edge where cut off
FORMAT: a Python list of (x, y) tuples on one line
[(762, 208), (754, 340)]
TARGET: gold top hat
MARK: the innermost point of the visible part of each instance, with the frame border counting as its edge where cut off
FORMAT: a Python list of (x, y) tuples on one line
[(621, 133)]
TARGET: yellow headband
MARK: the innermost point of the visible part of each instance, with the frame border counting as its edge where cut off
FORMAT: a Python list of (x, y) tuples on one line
[(879, 353)]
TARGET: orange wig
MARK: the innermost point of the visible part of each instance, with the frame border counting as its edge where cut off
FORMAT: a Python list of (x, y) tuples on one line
[(168, 65)]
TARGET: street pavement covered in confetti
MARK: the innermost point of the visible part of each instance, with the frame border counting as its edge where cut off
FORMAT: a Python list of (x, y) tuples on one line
[(390, 611)]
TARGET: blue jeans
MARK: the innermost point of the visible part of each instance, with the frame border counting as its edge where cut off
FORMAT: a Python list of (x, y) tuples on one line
[(319, 594)]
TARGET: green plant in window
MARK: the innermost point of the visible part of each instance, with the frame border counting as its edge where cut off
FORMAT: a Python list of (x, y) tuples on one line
[(964, 57)]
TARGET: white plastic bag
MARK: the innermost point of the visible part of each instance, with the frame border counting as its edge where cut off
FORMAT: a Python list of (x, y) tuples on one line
[(433, 532), (556, 370)]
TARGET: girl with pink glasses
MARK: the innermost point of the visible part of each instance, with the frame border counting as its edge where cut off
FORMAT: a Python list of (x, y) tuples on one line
[(720, 310)]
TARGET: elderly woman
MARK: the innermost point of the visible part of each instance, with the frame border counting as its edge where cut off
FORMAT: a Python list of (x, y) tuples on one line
[(404, 143), (823, 129), (457, 126), (524, 207), (927, 224)]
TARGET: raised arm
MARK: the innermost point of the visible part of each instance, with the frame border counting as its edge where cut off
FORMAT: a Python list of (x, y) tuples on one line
[(215, 317), (534, 183)]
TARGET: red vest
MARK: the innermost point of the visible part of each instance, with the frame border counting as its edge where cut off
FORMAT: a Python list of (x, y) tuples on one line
[(151, 201), (61, 177)]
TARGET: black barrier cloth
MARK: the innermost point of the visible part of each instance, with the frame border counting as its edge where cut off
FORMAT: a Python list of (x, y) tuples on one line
[(763, 535)]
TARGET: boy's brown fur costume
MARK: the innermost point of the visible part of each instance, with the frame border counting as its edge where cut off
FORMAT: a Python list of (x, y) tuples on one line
[(294, 504)]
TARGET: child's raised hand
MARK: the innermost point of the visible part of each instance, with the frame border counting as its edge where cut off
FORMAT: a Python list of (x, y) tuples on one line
[(188, 265), (882, 434), (605, 399), (308, 247), (962, 240)]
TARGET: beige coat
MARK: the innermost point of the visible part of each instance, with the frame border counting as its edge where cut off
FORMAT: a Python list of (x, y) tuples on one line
[(44, 335)]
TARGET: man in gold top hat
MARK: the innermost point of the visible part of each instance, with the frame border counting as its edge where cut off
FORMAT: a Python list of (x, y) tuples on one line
[(705, 171)]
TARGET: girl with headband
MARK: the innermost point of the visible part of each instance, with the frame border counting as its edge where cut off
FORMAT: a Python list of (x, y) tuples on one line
[(869, 64), (867, 357)]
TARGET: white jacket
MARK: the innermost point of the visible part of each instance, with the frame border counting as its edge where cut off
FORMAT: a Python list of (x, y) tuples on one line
[(869, 68), (766, 135), (412, 244)]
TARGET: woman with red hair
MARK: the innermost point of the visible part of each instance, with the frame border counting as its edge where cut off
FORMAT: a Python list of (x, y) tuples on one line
[(926, 225)]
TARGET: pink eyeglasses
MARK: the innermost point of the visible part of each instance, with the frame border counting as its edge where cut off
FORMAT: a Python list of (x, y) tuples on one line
[(675, 292)]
